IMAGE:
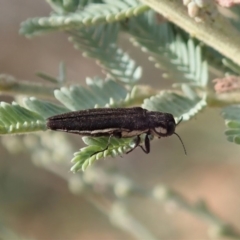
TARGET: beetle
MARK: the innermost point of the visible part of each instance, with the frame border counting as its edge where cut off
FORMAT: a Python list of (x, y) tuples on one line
[(116, 122)]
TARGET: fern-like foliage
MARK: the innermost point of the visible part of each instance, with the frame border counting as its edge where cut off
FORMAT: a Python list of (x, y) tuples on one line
[(177, 104), (99, 42), (93, 28), (44, 108), (94, 151), (73, 16), (16, 119), (98, 93), (231, 115), (182, 105), (102, 93), (168, 48)]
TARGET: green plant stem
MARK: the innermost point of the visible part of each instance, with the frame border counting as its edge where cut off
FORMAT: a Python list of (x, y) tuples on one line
[(216, 32), (213, 100), (10, 86)]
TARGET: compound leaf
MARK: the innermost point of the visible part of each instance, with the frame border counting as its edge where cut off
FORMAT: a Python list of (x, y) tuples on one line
[(44, 108), (94, 151), (168, 47), (98, 93), (16, 119), (99, 42), (78, 17), (180, 105)]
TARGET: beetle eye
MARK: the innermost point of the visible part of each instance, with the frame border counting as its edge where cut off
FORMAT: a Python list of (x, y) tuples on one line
[(171, 128), (161, 130)]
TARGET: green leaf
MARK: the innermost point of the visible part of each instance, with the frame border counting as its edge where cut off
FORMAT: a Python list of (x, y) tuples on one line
[(98, 93), (233, 124), (168, 47), (231, 115), (177, 104), (65, 19), (99, 42), (44, 108), (88, 155), (16, 119)]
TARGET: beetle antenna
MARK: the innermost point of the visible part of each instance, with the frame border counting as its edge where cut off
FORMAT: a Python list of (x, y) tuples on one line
[(185, 151), (180, 120)]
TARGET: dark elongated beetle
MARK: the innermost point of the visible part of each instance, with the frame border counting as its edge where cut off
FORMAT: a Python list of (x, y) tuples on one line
[(116, 122)]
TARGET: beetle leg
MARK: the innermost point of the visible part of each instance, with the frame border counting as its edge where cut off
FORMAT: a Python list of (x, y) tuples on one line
[(138, 140), (146, 144)]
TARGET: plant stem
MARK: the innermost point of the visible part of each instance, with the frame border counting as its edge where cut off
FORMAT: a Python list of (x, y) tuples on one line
[(216, 31), (12, 87)]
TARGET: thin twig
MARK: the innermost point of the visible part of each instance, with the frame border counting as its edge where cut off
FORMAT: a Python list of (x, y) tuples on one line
[(10, 86)]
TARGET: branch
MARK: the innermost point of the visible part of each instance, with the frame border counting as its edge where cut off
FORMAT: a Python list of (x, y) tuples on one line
[(11, 86), (216, 32)]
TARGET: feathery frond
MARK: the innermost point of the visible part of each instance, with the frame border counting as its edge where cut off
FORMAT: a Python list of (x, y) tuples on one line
[(16, 119), (99, 42), (44, 108), (167, 101), (76, 18), (98, 93), (88, 155), (180, 105), (168, 48), (94, 31)]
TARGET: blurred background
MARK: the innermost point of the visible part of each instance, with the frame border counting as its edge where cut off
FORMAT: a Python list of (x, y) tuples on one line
[(37, 204)]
